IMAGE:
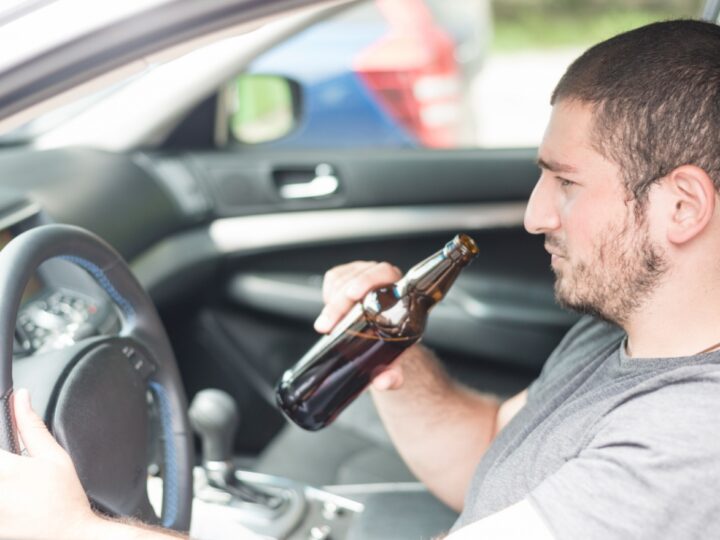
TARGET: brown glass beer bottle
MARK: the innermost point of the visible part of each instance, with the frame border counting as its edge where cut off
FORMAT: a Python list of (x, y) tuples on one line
[(388, 320)]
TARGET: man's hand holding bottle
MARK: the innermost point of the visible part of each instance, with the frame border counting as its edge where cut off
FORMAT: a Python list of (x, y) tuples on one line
[(346, 285), (373, 315)]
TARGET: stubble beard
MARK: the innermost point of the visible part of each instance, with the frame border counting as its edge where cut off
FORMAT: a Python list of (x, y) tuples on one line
[(626, 269)]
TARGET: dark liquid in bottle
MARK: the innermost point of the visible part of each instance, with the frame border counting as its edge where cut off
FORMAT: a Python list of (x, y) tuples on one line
[(342, 369), (377, 330)]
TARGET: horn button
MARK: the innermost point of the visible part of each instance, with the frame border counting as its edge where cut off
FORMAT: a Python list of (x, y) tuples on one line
[(101, 419)]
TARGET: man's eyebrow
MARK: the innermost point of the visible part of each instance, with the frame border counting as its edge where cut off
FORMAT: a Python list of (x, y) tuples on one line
[(554, 166)]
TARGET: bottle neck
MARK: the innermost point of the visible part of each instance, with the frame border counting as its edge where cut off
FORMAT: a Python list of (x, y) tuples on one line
[(401, 309), (432, 278)]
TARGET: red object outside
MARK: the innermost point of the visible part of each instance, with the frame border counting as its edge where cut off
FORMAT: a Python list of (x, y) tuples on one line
[(412, 70)]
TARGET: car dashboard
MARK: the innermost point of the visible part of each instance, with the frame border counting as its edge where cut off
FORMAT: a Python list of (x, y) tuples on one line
[(60, 305)]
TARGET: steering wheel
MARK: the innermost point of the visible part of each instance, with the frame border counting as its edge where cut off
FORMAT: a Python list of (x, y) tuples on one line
[(97, 394)]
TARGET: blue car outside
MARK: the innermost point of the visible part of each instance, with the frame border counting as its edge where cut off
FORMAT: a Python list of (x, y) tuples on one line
[(337, 108)]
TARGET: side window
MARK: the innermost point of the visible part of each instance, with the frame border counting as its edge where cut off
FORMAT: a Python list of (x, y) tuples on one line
[(426, 73)]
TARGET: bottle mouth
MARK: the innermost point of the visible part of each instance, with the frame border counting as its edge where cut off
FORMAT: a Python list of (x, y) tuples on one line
[(466, 244), (461, 246)]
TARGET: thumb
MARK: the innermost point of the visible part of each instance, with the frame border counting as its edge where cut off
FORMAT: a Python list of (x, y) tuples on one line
[(34, 434)]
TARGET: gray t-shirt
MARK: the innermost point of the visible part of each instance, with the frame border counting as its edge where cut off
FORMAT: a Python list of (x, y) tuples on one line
[(609, 446)]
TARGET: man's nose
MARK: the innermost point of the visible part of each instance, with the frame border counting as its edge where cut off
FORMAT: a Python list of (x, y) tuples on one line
[(541, 216)]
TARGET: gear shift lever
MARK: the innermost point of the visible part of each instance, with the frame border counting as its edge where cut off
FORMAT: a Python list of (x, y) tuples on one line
[(214, 417)]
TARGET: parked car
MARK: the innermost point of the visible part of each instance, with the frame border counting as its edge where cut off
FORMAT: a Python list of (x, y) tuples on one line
[(124, 129), (384, 72)]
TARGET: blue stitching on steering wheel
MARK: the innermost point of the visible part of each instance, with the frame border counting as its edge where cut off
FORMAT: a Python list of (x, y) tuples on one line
[(170, 487), (104, 282)]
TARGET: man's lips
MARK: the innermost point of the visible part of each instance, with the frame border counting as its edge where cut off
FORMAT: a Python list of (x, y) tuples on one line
[(553, 252)]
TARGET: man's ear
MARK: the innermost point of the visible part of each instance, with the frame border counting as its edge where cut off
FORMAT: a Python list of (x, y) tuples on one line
[(691, 199)]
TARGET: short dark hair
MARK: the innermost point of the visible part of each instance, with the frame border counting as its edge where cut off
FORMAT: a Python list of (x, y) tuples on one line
[(656, 97)]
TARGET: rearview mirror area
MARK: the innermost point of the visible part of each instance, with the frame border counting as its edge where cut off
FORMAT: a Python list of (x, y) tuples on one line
[(263, 108)]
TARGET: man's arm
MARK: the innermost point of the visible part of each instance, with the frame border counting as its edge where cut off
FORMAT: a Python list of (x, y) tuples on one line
[(111, 529), (440, 428)]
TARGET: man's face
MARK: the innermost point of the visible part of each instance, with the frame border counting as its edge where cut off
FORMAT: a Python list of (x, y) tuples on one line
[(604, 258)]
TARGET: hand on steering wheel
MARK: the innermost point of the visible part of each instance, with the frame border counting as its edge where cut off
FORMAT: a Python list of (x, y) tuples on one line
[(43, 481), (95, 394)]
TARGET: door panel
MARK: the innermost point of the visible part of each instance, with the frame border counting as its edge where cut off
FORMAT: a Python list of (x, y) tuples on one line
[(484, 317), (249, 182)]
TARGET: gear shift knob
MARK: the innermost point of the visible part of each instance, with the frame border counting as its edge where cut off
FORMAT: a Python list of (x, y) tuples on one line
[(214, 417)]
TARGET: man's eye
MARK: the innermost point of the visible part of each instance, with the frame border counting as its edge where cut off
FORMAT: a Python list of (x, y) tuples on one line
[(564, 182)]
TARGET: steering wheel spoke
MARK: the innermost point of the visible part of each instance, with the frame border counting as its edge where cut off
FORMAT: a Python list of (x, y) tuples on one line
[(146, 512), (42, 372), (142, 509)]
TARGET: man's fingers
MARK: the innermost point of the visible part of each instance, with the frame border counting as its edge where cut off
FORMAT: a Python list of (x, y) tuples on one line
[(336, 278), (332, 313), (37, 439), (344, 285), (380, 274)]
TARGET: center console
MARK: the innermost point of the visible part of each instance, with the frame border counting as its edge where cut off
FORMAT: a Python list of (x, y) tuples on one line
[(270, 506), (229, 501), (303, 512), (391, 511)]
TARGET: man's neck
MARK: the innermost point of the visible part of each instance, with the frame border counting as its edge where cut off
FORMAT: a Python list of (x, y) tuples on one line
[(679, 322)]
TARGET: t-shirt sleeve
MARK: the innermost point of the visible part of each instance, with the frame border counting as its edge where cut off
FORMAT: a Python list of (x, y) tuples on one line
[(652, 470)]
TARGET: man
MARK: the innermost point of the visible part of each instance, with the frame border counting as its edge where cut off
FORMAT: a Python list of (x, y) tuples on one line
[(618, 437)]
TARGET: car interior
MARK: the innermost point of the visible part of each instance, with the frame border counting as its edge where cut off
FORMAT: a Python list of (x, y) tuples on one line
[(199, 280)]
